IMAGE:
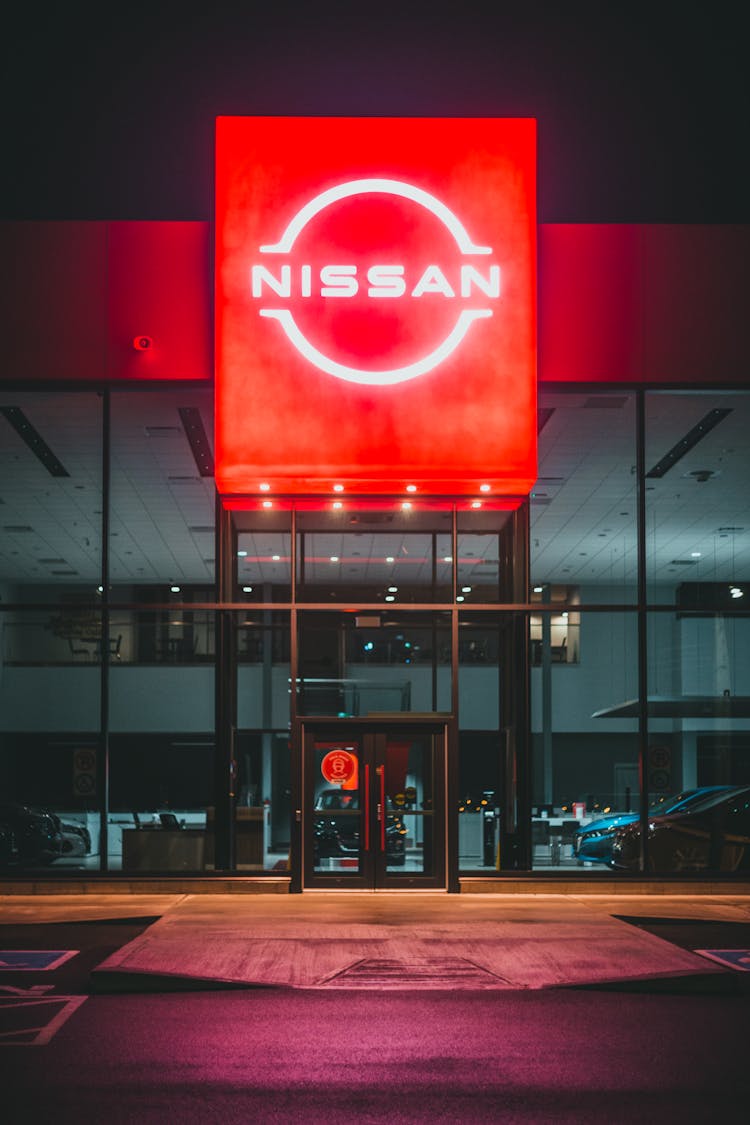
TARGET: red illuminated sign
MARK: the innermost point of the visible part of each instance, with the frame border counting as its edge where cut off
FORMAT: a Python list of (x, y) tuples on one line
[(375, 305), (339, 766)]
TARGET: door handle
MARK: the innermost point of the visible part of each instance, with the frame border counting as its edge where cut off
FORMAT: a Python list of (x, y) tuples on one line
[(381, 807), (367, 808)]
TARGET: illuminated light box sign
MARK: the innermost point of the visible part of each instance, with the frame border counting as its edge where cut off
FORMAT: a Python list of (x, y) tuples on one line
[(375, 305)]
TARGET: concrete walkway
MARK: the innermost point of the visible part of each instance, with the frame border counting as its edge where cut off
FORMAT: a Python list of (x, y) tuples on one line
[(383, 940)]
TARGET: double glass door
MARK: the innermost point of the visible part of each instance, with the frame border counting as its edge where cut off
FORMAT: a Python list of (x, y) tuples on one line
[(374, 811)]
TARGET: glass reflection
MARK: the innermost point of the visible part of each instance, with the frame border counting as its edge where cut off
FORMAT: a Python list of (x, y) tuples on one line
[(374, 557)]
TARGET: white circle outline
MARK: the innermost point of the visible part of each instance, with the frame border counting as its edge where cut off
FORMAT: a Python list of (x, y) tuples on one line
[(370, 187), (358, 375)]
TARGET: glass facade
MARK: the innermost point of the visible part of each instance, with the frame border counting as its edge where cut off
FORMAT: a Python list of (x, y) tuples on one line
[(532, 683)]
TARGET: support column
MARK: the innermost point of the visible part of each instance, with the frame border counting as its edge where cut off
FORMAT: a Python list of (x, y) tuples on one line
[(225, 765)]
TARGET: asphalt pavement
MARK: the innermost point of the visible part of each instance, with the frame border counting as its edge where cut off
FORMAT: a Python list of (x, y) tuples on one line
[(418, 1041)]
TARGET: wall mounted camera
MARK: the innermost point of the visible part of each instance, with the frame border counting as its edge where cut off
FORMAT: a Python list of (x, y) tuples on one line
[(142, 343)]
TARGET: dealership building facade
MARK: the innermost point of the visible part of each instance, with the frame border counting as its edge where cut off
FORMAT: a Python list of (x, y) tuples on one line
[(373, 534)]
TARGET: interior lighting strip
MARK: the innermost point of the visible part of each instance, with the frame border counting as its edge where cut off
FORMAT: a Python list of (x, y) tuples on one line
[(34, 440), (688, 442), (195, 432)]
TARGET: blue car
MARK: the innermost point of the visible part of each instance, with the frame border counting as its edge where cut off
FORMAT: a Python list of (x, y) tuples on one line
[(593, 842)]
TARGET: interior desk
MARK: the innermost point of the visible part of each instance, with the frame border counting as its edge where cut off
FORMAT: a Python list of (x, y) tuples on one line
[(163, 849)]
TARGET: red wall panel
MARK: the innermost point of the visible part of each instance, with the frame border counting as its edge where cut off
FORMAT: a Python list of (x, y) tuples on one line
[(159, 286), (658, 304), (650, 303), (590, 308), (74, 296), (695, 288), (53, 302)]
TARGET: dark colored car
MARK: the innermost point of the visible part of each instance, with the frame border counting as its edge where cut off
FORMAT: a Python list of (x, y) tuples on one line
[(713, 835), (29, 836), (337, 828), (592, 843), (76, 839)]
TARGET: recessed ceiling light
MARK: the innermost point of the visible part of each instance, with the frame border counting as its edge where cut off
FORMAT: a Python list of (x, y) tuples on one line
[(334, 558), (389, 559), (337, 504), (393, 589), (175, 589), (242, 554), (338, 488), (466, 589), (695, 554), (460, 598), (247, 589), (265, 487), (406, 505), (448, 559), (476, 503), (390, 598), (411, 488), (268, 503), (275, 558), (484, 488)]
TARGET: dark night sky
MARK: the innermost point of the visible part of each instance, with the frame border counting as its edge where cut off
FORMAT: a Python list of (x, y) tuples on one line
[(643, 110)]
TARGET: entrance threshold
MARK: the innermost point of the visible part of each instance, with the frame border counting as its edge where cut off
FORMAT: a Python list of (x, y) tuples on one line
[(375, 891)]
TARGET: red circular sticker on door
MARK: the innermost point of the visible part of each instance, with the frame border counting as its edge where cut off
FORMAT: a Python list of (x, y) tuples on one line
[(338, 766)]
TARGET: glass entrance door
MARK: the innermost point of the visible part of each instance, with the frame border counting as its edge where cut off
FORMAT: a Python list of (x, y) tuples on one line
[(374, 814)]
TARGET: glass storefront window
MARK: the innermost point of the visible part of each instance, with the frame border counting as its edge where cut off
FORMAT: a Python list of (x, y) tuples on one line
[(388, 557), (50, 753), (50, 556), (585, 745), (353, 664), (555, 637), (263, 810), (161, 765), (152, 637), (479, 800), (162, 491), (492, 707), (584, 503), (51, 468), (697, 497), (698, 754), (484, 566), (163, 635), (263, 813), (264, 558)]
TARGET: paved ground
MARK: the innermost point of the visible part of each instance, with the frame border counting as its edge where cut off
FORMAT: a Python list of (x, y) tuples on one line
[(402, 1042), (392, 941)]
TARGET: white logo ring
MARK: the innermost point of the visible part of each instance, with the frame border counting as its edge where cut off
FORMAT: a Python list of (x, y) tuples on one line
[(358, 375)]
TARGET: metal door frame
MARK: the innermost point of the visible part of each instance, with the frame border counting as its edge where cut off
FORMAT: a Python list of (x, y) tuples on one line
[(436, 727)]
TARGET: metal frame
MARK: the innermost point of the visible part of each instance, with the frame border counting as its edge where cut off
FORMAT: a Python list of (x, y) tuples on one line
[(436, 727)]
